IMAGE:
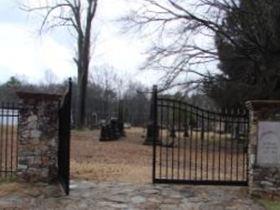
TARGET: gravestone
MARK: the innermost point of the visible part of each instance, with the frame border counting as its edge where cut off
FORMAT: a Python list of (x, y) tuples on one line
[(173, 132), (268, 153), (152, 134), (111, 131)]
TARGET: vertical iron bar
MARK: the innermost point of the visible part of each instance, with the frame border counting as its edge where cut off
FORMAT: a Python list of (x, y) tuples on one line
[(173, 137), (231, 144), (213, 145), (6, 139), (68, 134), (225, 144), (17, 137), (185, 137), (179, 137), (196, 141), (220, 139), (1, 140), (248, 115), (191, 137), (207, 147), (160, 107), (167, 139), (244, 144), (154, 117), (12, 137), (237, 145), (201, 144)]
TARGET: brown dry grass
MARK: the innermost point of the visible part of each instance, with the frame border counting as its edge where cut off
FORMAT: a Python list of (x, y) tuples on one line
[(15, 190), (10, 187), (125, 160)]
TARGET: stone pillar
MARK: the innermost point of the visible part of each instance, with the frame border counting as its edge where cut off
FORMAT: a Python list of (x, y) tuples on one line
[(264, 148), (38, 137)]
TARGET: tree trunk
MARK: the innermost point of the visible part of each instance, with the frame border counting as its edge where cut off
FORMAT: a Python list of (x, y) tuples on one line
[(84, 45), (81, 97)]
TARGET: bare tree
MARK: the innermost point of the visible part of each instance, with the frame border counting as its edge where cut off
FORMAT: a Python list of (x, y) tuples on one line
[(76, 15), (49, 77), (110, 82), (186, 32)]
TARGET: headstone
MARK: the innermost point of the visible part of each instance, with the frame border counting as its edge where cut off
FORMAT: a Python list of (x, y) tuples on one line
[(236, 133), (111, 130), (186, 130), (104, 133), (172, 132), (151, 135), (268, 153)]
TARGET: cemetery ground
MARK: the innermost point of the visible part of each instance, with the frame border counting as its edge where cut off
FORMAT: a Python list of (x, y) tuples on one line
[(117, 175), (124, 160), (128, 160)]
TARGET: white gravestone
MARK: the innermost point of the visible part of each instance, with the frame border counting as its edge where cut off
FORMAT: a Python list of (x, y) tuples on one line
[(268, 153)]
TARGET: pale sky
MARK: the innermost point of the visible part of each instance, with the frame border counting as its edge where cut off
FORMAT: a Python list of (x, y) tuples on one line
[(28, 55)]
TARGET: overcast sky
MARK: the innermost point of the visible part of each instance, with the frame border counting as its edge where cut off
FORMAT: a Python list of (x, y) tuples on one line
[(27, 54)]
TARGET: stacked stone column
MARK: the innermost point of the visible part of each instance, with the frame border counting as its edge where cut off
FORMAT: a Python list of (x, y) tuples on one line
[(264, 148), (38, 137)]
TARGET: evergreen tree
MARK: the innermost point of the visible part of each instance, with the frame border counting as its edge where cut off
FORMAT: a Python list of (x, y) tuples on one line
[(250, 67)]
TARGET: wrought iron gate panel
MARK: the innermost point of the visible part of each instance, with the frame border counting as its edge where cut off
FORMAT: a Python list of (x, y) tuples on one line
[(64, 140), (9, 116), (197, 146)]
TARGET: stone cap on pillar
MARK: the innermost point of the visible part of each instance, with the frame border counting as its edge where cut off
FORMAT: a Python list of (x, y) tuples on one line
[(259, 104), (37, 96), (265, 109)]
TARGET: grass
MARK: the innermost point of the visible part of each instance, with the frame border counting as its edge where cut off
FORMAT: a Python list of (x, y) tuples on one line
[(9, 185), (8, 179), (126, 160), (111, 172), (271, 205)]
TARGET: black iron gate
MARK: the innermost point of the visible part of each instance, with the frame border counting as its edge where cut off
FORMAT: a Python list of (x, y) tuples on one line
[(64, 140), (9, 114), (197, 146)]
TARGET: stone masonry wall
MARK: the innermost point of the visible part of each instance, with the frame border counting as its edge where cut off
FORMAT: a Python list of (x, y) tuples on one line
[(264, 181), (38, 137)]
